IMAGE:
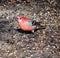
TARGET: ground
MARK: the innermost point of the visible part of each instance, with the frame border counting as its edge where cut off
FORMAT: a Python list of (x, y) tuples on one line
[(16, 43)]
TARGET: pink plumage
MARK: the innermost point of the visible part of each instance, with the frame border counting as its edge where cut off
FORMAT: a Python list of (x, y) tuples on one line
[(25, 23)]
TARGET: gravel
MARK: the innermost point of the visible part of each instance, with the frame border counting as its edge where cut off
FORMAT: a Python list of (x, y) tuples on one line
[(16, 43)]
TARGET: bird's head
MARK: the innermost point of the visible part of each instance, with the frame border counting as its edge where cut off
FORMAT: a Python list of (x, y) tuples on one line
[(20, 18)]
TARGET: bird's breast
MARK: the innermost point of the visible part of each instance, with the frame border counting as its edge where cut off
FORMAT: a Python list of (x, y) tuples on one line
[(25, 26)]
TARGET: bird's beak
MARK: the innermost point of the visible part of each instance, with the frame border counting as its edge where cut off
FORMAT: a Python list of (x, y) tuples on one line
[(15, 18)]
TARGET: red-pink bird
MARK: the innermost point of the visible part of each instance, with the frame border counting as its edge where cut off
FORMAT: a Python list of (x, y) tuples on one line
[(26, 24)]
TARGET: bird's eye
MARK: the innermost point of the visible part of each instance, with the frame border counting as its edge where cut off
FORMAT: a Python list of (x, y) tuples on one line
[(20, 18)]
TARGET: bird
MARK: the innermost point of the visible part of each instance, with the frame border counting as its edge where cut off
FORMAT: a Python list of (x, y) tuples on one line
[(26, 24)]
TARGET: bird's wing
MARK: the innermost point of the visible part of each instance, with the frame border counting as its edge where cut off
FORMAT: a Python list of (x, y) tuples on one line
[(29, 22)]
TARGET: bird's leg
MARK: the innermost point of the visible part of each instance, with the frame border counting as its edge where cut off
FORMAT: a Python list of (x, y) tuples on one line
[(32, 31)]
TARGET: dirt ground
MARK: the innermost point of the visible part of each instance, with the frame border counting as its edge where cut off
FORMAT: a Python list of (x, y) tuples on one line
[(16, 43)]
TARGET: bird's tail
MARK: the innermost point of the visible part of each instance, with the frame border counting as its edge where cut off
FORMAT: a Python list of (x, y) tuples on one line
[(39, 25)]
